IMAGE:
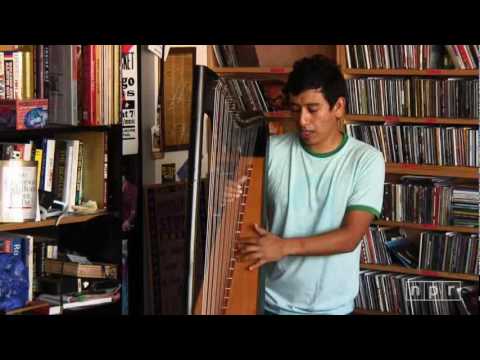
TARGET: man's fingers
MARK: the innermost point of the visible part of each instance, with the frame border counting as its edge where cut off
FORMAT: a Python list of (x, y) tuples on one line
[(260, 231), (245, 249), (256, 265), (250, 256), (243, 180)]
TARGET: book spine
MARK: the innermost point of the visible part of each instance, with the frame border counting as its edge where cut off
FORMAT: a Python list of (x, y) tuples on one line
[(6, 246), (68, 173), (9, 87), (59, 170), (18, 75), (38, 159), (105, 173), (49, 164), (46, 71), (2, 76), (27, 73), (73, 183), (98, 91), (39, 74), (79, 184), (89, 85), (74, 64)]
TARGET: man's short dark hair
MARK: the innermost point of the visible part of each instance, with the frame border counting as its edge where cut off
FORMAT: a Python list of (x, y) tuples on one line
[(316, 72)]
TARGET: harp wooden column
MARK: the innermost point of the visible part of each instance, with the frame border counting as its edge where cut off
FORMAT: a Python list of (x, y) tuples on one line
[(242, 294)]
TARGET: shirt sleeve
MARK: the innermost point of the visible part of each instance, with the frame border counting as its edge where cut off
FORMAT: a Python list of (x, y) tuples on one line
[(367, 194)]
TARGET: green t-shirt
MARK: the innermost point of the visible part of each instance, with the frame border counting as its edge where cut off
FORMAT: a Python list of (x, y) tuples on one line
[(309, 194)]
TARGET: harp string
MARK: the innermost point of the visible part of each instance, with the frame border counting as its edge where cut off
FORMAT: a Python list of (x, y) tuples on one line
[(230, 159)]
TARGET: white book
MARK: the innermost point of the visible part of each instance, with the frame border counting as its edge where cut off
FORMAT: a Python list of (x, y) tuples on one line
[(2, 76), (55, 310), (74, 169), (27, 151), (349, 60), (17, 74), (49, 164), (68, 174)]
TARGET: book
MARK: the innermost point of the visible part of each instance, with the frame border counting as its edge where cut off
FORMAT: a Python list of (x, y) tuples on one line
[(9, 78), (14, 273), (6, 246), (93, 270), (63, 84), (18, 75), (56, 310), (2, 76), (90, 84)]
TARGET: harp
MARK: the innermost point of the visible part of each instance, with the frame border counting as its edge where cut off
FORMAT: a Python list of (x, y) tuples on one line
[(217, 283)]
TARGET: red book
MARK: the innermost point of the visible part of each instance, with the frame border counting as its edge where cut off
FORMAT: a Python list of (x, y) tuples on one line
[(464, 55), (89, 85), (6, 246)]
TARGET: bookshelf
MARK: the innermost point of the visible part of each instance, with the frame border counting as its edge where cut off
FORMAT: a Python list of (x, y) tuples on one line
[(409, 72), (460, 174), (275, 63), (96, 235), (429, 273)]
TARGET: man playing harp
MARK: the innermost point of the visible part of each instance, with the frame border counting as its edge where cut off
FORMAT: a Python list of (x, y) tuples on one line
[(323, 190)]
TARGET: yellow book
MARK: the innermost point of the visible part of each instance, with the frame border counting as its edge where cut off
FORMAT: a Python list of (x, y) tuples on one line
[(27, 86), (38, 159)]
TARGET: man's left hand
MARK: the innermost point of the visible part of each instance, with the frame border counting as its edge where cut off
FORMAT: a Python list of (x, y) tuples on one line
[(263, 249)]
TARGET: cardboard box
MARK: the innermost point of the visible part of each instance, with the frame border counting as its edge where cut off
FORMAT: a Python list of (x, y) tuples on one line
[(23, 114)]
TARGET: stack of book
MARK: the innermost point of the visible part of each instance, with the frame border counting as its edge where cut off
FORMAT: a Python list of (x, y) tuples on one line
[(412, 56), (81, 82), (417, 199), (60, 166), (450, 252), (236, 55), (410, 294), (464, 56), (23, 72), (465, 206), (414, 97), (386, 246), (429, 145)]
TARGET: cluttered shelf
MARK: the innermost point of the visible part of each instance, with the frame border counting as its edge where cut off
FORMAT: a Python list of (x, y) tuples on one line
[(433, 170), (68, 219), (39, 307), (412, 72), (372, 312), (430, 227), (55, 129), (421, 272), (254, 72), (414, 120)]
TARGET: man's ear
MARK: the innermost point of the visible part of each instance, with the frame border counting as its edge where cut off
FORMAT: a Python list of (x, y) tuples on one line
[(339, 107)]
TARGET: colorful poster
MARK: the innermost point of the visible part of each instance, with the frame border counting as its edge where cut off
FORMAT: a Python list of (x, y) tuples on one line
[(130, 99)]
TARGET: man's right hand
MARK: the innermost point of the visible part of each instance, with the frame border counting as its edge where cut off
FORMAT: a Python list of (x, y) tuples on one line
[(234, 189)]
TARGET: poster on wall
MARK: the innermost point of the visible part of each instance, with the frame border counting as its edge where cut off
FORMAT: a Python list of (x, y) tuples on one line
[(130, 99)]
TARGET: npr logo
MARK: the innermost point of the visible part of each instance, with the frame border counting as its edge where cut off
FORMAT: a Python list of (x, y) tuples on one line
[(433, 290)]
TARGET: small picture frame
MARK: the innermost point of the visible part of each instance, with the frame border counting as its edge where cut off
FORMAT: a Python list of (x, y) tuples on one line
[(178, 93)]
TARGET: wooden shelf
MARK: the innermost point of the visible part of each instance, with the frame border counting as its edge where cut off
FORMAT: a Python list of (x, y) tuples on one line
[(413, 120), (34, 307), (421, 272), (279, 115), (254, 72), (433, 170), (430, 227), (410, 72), (70, 219), (372, 312)]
